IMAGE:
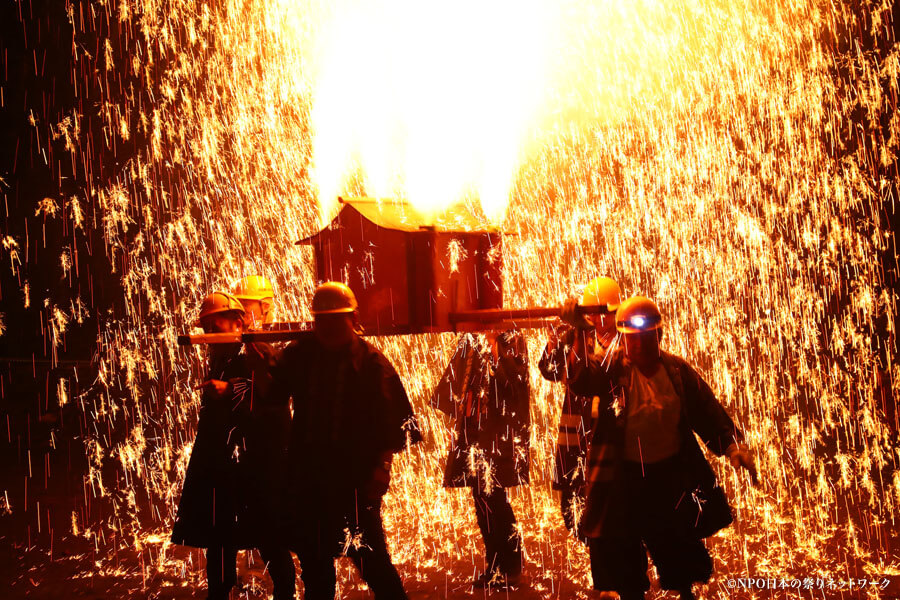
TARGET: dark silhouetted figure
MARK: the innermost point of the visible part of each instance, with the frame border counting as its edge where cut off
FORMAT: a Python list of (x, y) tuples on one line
[(233, 495), (651, 489), (351, 414), (576, 416), (486, 390)]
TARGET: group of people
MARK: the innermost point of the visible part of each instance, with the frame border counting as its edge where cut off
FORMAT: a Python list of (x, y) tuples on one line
[(294, 447)]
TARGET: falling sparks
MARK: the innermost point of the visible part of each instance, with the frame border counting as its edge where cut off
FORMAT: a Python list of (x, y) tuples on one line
[(47, 208), (697, 152), (11, 246), (455, 253), (429, 102)]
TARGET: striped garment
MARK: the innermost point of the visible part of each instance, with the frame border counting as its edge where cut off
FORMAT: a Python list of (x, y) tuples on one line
[(576, 416)]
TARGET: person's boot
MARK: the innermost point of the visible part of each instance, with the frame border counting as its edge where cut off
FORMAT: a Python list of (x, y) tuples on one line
[(219, 593), (512, 580)]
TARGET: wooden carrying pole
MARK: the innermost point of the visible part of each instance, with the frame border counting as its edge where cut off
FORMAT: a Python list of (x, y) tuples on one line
[(271, 332), (469, 320), (493, 315)]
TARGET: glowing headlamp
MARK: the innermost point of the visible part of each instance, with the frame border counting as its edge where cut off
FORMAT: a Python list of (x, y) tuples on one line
[(638, 323)]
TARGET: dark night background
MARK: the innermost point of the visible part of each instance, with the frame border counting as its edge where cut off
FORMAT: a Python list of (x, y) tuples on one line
[(41, 450)]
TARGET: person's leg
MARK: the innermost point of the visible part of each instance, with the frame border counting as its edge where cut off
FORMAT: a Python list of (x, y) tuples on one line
[(371, 556), (620, 565), (221, 572), (280, 564), (503, 529), (318, 575), (681, 560), (680, 557), (502, 546), (572, 503), (316, 550), (486, 525)]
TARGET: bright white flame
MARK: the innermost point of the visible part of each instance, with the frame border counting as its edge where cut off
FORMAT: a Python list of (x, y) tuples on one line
[(427, 101)]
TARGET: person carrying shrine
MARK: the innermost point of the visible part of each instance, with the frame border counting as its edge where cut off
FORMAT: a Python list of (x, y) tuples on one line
[(485, 389)]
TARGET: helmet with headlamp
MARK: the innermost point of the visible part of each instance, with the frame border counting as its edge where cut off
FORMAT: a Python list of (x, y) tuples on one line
[(638, 314)]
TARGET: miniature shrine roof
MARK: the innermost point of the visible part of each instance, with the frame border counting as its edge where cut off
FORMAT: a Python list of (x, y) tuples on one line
[(402, 216)]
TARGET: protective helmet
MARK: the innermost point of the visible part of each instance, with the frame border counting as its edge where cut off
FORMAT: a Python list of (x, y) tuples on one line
[(257, 287), (638, 314), (254, 287), (333, 297), (602, 291), (219, 302)]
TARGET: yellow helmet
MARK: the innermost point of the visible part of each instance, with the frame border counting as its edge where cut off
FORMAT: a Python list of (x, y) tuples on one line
[(219, 302), (333, 297), (638, 314), (602, 291), (257, 287), (254, 287)]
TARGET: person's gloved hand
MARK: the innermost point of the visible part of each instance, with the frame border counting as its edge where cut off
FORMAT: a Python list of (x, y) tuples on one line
[(572, 315), (510, 344), (740, 456), (380, 482), (216, 387)]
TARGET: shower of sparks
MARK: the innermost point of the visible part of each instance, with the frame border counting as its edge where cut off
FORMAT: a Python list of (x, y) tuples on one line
[(694, 151), (427, 102)]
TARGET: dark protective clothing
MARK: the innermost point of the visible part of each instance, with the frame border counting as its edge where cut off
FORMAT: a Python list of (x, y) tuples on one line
[(233, 482), (660, 503), (490, 405), (351, 413), (234, 493), (620, 563), (489, 400), (574, 427)]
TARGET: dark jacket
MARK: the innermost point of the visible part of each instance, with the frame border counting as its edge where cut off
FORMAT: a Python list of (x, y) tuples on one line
[(350, 410), (701, 413), (232, 488), (490, 404), (574, 419)]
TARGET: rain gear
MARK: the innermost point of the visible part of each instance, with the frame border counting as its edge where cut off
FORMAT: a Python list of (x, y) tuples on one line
[(705, 509), (351, 413), (233, 487), (575, 418), (489, 401)]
